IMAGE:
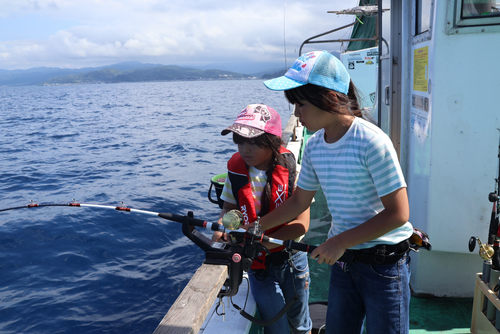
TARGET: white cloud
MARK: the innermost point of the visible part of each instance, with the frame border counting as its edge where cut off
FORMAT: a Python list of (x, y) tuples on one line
[(107, 31)]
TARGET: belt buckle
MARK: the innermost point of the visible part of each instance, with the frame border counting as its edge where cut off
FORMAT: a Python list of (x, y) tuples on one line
[(379, 256)]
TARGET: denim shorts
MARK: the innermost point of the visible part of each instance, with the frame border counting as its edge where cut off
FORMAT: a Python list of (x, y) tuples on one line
[(379, 293), (278, 286)]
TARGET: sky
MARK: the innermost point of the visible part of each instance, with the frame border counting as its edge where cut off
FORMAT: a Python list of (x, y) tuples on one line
[(92, 33)]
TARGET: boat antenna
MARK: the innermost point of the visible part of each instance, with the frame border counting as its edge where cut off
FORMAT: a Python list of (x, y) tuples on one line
[(284, 47), (284, 35)]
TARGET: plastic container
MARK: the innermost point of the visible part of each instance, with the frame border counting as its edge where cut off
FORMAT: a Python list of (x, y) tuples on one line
[(218, 183)]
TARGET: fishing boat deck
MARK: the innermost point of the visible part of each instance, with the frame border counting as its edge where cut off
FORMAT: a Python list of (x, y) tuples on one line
[(427, 314), (440, 315)]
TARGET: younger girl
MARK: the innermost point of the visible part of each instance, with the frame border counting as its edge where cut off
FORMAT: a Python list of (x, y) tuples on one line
[(260, 177), (356, 166)]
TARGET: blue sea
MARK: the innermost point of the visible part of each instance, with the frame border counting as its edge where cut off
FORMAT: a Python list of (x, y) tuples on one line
[(152, 146)]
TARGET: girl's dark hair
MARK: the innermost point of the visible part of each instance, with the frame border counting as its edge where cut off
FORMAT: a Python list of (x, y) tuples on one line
[(327, 99), (273, 142)]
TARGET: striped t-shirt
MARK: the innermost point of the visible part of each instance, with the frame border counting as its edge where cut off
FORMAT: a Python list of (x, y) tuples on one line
[(258, 179), (354, 173)]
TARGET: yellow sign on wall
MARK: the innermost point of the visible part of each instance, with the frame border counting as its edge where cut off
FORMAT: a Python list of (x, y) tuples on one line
[(420, 69)]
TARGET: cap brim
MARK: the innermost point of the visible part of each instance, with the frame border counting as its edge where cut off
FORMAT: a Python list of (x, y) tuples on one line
[(283, 83), (243, 130)]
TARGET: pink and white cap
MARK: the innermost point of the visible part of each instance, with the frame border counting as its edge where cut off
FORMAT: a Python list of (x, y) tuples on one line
[(255, 120)]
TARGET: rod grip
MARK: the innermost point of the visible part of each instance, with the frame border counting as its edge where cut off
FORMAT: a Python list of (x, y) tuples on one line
[(290, 244), (180, 219)]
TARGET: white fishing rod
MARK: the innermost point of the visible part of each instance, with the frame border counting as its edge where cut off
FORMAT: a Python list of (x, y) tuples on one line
[(232, 221), (124, 208), (237, 255)]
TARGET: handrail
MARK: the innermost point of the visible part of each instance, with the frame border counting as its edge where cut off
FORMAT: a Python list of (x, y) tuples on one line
[(378, 38), (309, 40), (348, 40), (323, 34)]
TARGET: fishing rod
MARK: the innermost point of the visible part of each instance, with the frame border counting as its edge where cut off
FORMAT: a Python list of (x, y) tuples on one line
[(494, 232), (237, 255), (231, 221), (490, 252), (124, 208)]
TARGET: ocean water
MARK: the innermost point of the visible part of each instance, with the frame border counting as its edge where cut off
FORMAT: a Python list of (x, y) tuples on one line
[(153, 146)]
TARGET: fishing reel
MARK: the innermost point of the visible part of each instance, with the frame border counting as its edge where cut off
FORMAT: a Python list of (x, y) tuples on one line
[(486, 251), (238, 255), (232, 220), (251, 239)]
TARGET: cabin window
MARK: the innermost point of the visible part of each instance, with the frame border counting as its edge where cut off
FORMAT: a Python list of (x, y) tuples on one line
[(479, 9), (474, 16), (423, 17)]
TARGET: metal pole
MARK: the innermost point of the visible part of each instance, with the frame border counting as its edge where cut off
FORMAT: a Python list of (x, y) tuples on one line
[(379, 81)]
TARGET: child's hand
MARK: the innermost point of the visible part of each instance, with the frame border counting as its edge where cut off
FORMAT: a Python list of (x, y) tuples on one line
[(328, 252), (217, 235)]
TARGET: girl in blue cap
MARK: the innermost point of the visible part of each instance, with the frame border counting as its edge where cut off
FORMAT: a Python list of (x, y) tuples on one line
[(261, 175), (355, 164)]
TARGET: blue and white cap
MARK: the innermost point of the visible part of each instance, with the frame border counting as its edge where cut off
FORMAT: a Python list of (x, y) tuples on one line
[(319, 68)]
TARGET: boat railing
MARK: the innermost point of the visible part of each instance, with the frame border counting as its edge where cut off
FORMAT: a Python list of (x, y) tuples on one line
[(360, 10)]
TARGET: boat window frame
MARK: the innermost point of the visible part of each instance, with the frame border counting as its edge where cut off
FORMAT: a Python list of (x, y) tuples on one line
[(426, 35), (456, 24), (419, 11)]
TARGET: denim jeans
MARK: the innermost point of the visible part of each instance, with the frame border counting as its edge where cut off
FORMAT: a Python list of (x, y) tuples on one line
[(272, 291), (381, 293)]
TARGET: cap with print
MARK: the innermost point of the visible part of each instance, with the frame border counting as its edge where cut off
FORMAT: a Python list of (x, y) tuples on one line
[(255, 120), (319, 68)]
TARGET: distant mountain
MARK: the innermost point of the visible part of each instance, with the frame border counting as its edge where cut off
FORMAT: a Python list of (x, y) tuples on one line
[(129, 65), (105, 75), (121, 72), (32, 76), (41, 75), (38, 75), (161, 73), (254, 68), (277, 73), (169, 73), (273, 75)]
